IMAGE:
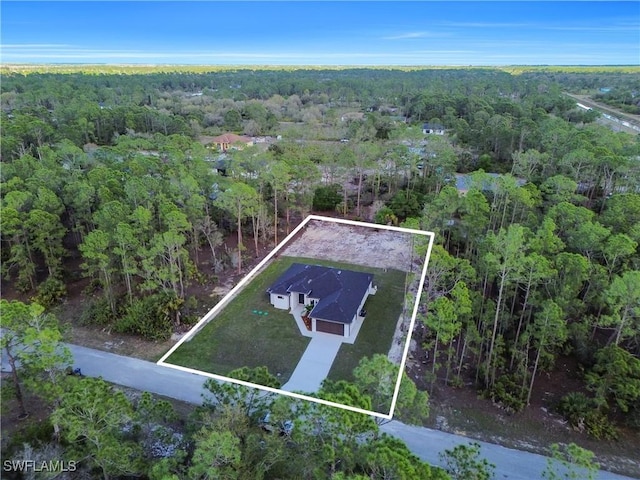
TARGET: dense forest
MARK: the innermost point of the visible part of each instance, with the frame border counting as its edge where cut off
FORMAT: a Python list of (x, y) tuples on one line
[(114, 181)]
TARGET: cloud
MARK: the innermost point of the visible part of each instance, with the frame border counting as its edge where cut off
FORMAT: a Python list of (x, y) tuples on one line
[(475, 53), (34, 45), (631, 25), (491, 25), (410, 35), (105, 55)]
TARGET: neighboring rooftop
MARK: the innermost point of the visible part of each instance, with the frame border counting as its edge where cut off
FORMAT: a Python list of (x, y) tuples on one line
[(465, 181), (231, 138)]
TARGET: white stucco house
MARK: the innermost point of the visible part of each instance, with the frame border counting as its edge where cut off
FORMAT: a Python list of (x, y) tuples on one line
[(331, 299), (433, 129)]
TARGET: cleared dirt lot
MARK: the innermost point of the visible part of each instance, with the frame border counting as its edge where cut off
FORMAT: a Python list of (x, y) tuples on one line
[(366, 246)]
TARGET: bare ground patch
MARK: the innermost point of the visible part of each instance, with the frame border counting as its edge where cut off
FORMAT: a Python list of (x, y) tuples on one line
[(366, 246), (118, 343)]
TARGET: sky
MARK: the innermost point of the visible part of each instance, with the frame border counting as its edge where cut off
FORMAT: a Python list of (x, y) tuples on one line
[(356, 33)]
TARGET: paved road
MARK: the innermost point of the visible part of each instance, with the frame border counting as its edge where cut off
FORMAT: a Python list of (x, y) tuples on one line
[(139, 374), (424, 442), (611, 116)]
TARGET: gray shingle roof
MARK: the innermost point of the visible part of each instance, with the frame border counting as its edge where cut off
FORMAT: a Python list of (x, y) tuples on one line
[(339, 292)]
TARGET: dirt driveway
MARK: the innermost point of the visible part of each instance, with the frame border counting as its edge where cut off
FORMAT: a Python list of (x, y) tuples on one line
[(366, 246)]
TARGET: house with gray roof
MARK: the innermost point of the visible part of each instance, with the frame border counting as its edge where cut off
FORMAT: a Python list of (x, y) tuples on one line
[(332, 299), (489, 182)]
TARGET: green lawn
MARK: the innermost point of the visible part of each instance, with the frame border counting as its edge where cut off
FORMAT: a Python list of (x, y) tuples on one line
[(237, 337)]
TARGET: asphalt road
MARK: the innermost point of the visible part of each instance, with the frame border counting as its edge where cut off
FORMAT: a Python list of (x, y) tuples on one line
[(616, 119), (423, 442)]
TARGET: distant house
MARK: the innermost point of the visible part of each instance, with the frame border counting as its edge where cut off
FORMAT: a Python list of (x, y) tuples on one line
[(230, 140), (433, 129), (350, 116), (221, 164), (330, 299), (464, 182)]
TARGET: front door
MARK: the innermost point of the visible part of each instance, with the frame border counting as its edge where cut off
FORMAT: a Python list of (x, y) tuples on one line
[(301, 298)]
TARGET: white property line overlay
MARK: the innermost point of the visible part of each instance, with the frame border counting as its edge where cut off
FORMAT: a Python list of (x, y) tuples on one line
[(222, 303)]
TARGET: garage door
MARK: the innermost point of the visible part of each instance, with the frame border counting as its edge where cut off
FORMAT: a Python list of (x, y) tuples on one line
[(330, 327)]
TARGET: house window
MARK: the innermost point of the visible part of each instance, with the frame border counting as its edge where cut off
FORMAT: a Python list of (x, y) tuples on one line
[(280, 297), (301, 298)]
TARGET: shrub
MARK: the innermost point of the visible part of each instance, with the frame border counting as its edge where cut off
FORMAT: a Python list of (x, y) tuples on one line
[(151, 317), (34, 432), (456, 382), (97, 312), (189, 311), (633, 418), (580, 339), (344, 208), (583, 414), (509, 392), (464, 462), (615, 378), (385, 216), (574, 407), (50, 292), (326, 197), (599, 426), (406, 203)]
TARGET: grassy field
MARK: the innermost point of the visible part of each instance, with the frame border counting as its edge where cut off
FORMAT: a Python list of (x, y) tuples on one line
[(237, 337)]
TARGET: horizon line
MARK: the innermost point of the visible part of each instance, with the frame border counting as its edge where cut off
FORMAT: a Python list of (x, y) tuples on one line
[(315, 65)]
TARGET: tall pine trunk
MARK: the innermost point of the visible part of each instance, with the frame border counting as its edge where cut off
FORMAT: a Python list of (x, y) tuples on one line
[(16, 383), (239, 237), (275, 216), (489, 376)]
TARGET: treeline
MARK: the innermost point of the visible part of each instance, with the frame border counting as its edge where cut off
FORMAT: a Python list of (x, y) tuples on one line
[(539, 262), (488, 110), (524, 274), (45, 108), (361, 85), (626, 99), (132, 212), (90, 429)]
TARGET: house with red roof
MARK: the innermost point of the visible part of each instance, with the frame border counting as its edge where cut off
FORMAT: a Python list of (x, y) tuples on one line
[(230, 140)]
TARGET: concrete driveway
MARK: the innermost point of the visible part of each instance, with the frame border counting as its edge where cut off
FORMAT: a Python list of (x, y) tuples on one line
[(315, 363)]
